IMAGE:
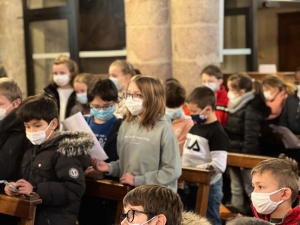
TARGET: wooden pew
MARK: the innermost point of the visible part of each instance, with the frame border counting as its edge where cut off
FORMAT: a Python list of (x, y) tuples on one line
[(201, 176), (240, 160), (19, 207), (114, 190), (108, 189)]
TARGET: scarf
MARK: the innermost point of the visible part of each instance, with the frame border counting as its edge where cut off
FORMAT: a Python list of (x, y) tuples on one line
[(235, 105)]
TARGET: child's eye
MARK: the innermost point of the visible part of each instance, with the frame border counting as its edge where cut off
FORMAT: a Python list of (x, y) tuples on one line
[(260, 187)]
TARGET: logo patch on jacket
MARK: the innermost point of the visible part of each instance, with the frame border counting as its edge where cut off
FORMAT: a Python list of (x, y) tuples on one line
[(73, 173)]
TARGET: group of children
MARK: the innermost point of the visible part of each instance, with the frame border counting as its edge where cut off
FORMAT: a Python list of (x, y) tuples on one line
[(142, 126)]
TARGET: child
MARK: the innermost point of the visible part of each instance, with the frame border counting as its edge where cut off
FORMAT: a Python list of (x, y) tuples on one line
[(212, 77), (147, 146), (275, 93), (206, 146), (102, 97), (290, 116), (63, 72), (276, 186), (175, 96), (13, 141), (54, 167), (247, 110), (120, 72), (82, 83), (153, 204)]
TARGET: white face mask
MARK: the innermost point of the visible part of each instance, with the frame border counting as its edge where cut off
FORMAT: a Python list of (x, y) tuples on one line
[(135, 107), (269, 96), (61, 80), (3, 111), (38, 138), (231, 96), (262, 202), (213, 86)]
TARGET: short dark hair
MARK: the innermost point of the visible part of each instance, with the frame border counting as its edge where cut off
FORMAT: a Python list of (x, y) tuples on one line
[(241, 81), (246, 221), (213, 70), (175, 94), (105, 89), (38, 107), (202, 96), (157, 199)]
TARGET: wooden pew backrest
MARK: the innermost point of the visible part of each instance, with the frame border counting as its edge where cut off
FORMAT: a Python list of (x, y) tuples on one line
[(244, 160)]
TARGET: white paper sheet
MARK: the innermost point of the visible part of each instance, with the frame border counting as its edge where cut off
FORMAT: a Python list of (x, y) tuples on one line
[(1, 181), (267, 68), (289, 139), (78, 123)]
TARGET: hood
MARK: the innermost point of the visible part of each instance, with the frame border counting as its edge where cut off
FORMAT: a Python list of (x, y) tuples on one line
[(72, 143), (190, 218)]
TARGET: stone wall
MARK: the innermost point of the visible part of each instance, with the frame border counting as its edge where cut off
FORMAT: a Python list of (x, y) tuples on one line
[(12, 41), (148, 35)]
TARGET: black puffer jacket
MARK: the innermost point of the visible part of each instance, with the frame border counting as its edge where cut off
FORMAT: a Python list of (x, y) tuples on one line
[(244, 126), (13, 144), (56, 171), (52, 91)]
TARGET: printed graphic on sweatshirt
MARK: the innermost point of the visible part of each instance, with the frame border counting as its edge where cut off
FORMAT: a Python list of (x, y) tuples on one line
[(136, 140)]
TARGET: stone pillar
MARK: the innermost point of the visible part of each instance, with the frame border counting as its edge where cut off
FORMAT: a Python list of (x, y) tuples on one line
[(148, 36), (12, 41), (195, 39)]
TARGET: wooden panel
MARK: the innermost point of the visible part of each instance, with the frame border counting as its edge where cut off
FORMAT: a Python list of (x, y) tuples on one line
[(195, 175), (244, 160)]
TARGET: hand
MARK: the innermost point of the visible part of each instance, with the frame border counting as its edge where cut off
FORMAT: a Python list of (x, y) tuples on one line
[(24, 187), (127, 178), (100, 166), (9, 192), (93, 174)]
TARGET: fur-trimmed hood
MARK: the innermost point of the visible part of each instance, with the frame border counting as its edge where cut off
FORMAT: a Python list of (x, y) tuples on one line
[(74, 143), (190, 218)]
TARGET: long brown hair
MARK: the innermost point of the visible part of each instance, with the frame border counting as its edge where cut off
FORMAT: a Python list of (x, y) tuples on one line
[(275, 81), (153, 93)]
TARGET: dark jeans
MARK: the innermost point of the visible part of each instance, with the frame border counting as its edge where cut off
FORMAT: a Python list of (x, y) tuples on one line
[(214, 200)]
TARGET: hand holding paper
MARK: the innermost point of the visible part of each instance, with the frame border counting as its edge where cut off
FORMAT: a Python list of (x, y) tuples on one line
[(76, 123), (289, 139)]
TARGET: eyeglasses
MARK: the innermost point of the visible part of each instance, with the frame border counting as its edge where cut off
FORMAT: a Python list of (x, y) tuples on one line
[(130, 215), (97, 107), (135, 97)]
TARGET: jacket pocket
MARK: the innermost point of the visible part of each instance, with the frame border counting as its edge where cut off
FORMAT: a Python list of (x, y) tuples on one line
[(43, 170)]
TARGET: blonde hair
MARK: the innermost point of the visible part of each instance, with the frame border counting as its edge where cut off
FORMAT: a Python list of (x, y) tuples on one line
[(71, 64), (10, 89), (125, 66), (86, 78), (285, 172), (153, 93), (275, 81), (190, 218)]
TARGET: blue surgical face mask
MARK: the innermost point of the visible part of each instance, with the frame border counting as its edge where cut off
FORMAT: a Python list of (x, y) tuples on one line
[(82, 98), (199, 119), (103, 115), (174, 113), (116, 82)]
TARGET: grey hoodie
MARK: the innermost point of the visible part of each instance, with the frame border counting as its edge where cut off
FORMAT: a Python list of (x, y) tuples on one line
[(152, 156)]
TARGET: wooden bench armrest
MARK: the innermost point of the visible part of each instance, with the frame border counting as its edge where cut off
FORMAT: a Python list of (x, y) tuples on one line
[(244, 160), (18, 206), (195, 175)]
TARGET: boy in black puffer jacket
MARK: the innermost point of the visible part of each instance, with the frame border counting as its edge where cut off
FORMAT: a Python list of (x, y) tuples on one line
[(54, 167), (13, 141), (247, 110)]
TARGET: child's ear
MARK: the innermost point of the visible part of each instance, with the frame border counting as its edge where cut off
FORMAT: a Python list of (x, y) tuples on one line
[(127, 77), (17, 102), (287, 193), (54, 124), (220, 81), (161, 219)]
